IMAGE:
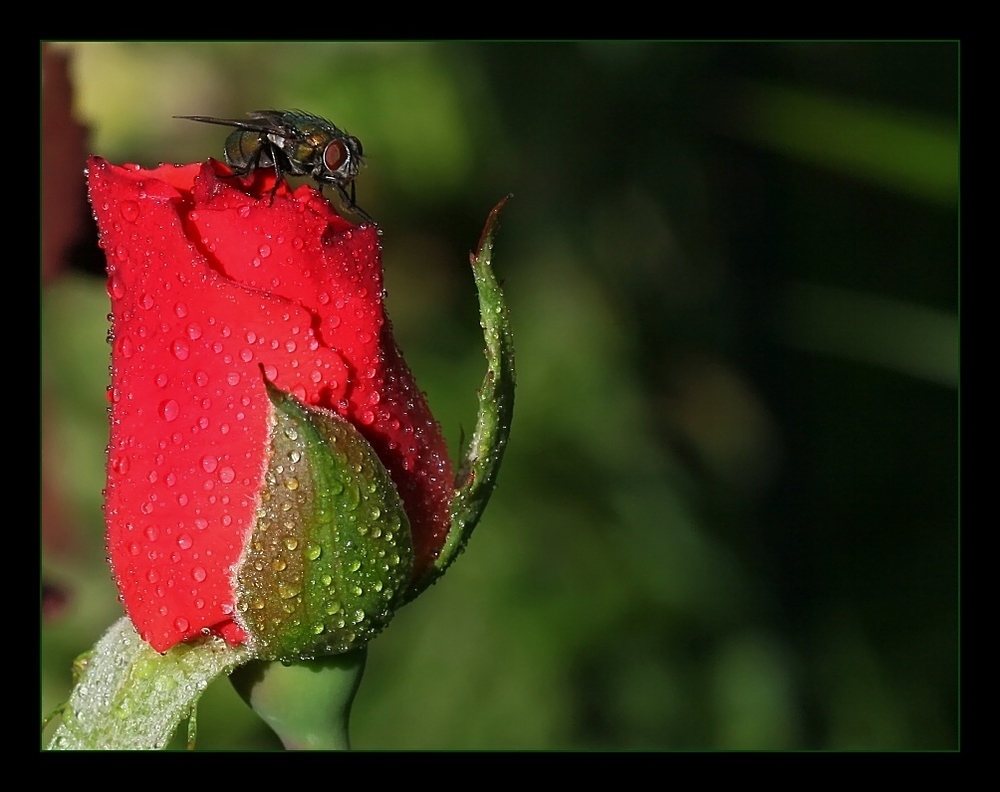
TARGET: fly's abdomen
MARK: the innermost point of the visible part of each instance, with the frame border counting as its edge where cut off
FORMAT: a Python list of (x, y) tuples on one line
[(245, 151)]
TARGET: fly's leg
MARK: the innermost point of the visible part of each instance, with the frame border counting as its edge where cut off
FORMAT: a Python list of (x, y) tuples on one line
[(352, 204)]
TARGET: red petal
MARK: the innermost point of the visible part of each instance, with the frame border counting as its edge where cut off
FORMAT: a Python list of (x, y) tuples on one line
[(207, 283)]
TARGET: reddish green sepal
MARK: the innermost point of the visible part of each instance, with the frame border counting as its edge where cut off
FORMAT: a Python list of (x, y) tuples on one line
[(330, 554)]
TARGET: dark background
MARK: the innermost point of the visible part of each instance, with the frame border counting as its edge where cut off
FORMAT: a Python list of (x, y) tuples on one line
[(727, 517)]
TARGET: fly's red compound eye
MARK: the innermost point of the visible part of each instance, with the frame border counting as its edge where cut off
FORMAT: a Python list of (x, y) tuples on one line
[(336, 155)]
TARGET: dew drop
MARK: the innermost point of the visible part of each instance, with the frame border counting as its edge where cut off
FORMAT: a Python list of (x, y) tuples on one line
[(199, 574), (264, 250), (209, 463), (181, 310), (116, 289), (129, 211), (184, 541), (246, 354), (291, 542), (194, 331), (226, 475), (288, 591), (169, 410), (233, 378), (180, 349), (181, 624)]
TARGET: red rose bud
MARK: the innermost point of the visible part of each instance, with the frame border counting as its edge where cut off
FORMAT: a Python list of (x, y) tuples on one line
[(220, 286)]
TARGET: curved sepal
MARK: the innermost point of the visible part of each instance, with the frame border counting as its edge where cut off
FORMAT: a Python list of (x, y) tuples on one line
[(476, 478)]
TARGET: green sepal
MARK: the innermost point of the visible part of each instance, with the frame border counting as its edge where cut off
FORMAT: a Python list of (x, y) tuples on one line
[(330, 553), (477, 475), (131, 697)]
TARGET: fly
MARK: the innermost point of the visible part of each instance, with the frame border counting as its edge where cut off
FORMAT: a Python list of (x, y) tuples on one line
[(296, 143)]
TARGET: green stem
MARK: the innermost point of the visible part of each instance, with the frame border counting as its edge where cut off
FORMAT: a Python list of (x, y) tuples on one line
[(307, 703)]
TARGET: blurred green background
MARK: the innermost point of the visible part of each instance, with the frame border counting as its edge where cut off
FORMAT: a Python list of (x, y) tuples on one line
[(728, 514)]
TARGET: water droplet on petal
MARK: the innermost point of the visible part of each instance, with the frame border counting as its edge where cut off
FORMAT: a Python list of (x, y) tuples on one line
[(209, 463), (264, 250), (116, 289), (181, 624), (129, 211), (226, 475), (169, 410), (180, 349)]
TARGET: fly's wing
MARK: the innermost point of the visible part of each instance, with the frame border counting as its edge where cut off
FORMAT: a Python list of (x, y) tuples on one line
[(269, 122)]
